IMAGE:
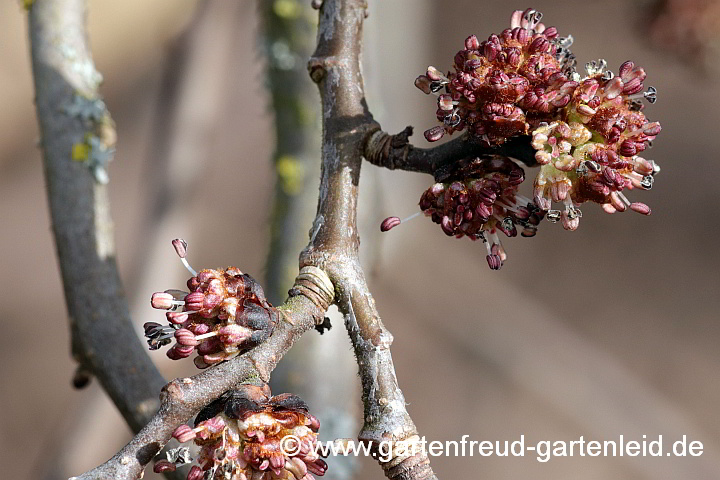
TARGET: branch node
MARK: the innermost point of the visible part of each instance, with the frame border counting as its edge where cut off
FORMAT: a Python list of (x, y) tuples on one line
[(316, 68), (389, 151), (172, 392), (315, 284)]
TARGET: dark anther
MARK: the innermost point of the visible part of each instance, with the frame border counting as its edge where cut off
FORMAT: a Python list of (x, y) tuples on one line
[(436, 86), (237, 406)]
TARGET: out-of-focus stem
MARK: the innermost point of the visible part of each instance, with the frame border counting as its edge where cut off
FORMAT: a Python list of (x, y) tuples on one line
[(288, 40), (103, 339)]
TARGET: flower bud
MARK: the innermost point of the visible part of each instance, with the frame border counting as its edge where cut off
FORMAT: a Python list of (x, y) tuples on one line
[(162, 301), (389, 223), (224, 314), (249, 433)]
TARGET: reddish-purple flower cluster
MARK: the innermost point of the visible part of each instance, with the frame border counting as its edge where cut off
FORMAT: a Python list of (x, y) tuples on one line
[(590, 153), (479, 198), (587, 132), (224, 314), (506, 85), (248, 435)]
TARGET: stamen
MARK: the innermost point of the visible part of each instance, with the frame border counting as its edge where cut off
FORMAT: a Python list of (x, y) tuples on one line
[(180, 246), (655, 167), (573, 212), (582, 169), (453, 119), (206, 335), (392, 222), (595, 67), (407, 219), (521, 199), (647, 182), (623, 198), (565, 42), (650, 95), (553, 216), (532, 17), (640, 208), (435, 87), (607, 76), (487, 244)]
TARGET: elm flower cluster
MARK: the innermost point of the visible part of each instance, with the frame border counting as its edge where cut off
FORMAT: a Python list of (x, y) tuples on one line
[(248, 435), (224, 314), (506, 85), (479, 199), (587, 134), (591, 152)]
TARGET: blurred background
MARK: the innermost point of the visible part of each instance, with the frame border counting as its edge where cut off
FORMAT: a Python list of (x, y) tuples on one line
[(610, 330)]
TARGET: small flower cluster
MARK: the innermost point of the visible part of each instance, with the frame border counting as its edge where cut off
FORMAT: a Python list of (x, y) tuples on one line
[(587, 134), (248, 435), (505, 85), (224, 314), (479, 199), (591, 152)]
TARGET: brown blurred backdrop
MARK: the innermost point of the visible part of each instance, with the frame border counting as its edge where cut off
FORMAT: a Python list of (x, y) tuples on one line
[(610, 330)]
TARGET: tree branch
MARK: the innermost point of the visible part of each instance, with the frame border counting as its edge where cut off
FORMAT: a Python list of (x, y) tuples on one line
[(396, 151), (289, 38), (103, 339), (347, 124), (183, 398)]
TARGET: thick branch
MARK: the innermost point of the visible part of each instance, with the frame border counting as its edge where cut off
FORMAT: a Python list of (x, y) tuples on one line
[(396, 152), (103, 339), (297, 169), (183, 398), (335, 67)]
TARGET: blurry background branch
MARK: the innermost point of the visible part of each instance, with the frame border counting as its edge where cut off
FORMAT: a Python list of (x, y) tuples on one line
[(75, 125)]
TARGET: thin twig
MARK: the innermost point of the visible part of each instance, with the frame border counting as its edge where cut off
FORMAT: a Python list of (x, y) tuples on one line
[(396, 151)]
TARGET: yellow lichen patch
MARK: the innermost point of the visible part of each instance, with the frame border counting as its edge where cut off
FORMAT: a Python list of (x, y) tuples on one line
[(80, 152), (291, 174), (27, 4), (286, 8)]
